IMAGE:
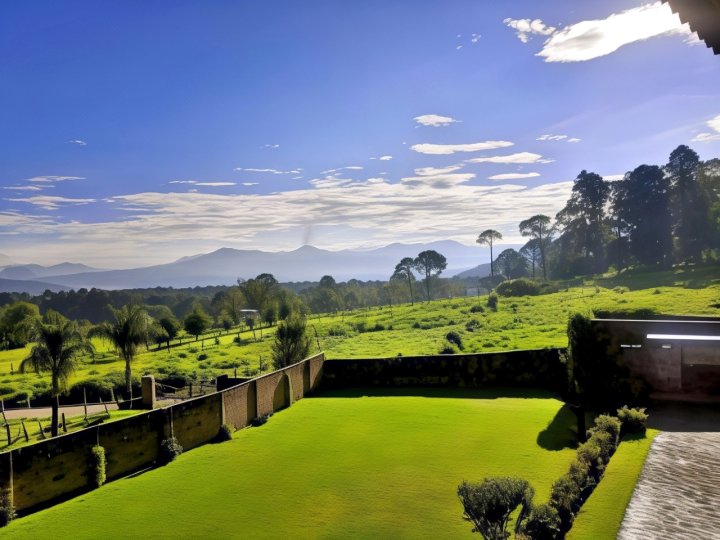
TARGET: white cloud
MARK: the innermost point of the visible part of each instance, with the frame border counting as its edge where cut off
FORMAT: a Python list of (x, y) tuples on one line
[(348, 168), (271, 146), (53, 179), (249, 184), (551, 137), (519, 158), (78, 142), (269, 171), (435, 120), (613, 177), (514, 176), (431, 171), (182, 182), (25, 188), (48, 202), (574, 140), (215, 184), (385, 158), (444, 149), (526, 27), (438, 181), (365, 214), (714, 124), (586, 40)]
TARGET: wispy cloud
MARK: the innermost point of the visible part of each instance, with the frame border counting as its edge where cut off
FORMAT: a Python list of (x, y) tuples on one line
[(551, 137), (348, 168), (203, 183), (434, 120), (48, 202), (78, 142), (438, 181), (586, 40), (714, 125), (514, 176), (444, 149), (25, 188), (267, 170), (524, 28), (53, 179), (518, 158), (270, 146), (249, 184), (431, 171)]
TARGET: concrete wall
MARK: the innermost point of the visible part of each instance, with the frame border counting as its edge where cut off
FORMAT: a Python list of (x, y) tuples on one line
[(51, 470), (668, 365)]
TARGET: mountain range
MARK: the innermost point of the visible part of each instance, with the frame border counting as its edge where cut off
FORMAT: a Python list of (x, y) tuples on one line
[(226, 265)]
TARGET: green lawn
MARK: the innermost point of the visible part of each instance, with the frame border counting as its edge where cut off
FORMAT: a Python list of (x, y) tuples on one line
[(602, 514), (345, 464)]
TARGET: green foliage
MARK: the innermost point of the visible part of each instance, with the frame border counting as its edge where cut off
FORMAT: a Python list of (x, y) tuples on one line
[(608, 424), (447, 349), (454, 338), (260, 420), (492, 301), (169, 449), (633, 420), (225, 433), (477, 309), (488, 505), (518, 287), (292, 343), (97, 465), (197, 321), (543, 523), (7, 510)]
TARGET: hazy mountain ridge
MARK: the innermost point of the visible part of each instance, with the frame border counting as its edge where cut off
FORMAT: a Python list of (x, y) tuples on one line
[(225, 265), (33, 271)]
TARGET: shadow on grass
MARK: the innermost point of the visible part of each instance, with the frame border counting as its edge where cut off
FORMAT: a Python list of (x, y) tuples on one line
[(561, 432), (435, 392)]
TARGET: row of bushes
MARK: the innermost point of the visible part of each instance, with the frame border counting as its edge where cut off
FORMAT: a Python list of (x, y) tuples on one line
[(489, 505)]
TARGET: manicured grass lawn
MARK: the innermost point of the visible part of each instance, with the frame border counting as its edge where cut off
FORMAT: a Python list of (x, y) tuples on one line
[(602, 514), (369, 464)]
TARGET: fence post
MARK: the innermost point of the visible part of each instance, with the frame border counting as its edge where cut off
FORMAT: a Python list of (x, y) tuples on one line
[(148, 392)]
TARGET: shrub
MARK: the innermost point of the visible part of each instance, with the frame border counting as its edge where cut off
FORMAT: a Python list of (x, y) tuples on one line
[(632, 420), (472, 324), (97, 465), (620, 290), (260, 420), (518, 287), (224, 433), (477, 309), (565, 498), (7, 510), (492, 301), (202, 357), (455, 339), (608, 424), (543, 523), (448, 349), (193, 349), (337, 330), (169, 450), (416, 324), (488, 505), (292, 343)]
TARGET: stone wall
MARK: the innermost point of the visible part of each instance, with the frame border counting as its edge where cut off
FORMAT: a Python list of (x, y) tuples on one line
[(55, 469), (541, 368)]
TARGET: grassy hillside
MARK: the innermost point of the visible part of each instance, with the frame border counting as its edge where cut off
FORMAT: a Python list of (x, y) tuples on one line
[(519, 323), (360, 464)]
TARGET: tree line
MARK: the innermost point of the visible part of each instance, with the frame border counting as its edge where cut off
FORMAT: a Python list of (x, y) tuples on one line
[(654, 217)]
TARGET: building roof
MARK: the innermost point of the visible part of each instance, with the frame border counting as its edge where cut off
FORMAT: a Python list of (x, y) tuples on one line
[(703, 17)]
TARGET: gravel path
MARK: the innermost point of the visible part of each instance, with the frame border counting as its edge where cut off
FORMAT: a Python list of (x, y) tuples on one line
[(678, 494)]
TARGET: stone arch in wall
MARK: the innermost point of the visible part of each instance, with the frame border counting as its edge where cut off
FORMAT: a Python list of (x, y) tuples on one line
[(282, 397)]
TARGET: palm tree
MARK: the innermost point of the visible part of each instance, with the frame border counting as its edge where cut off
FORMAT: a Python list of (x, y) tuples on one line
[(59, 345), (486, 238), (127, 333)]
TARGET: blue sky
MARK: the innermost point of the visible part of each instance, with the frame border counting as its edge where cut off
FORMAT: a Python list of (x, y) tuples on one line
[(136, 132)]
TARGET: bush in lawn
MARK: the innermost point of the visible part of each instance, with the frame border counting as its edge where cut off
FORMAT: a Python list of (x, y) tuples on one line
[(488, 505), (492, 301), (543, 523), (260, 420), (455, 339), (477, 309), (7, 510), (608, 424), (518, 287), (633, 420), (97, 465), (224, 433), (448, 349), (169, 450)]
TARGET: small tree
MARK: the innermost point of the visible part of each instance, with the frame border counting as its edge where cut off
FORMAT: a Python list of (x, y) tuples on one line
[(404, 271), (488, 505), (197, 321), (430, 263), (171, 326), (487, 237), (292, 343)]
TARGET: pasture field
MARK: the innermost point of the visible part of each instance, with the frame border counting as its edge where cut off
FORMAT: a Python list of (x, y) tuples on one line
[(519, 323), (360, 463)]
